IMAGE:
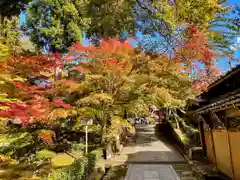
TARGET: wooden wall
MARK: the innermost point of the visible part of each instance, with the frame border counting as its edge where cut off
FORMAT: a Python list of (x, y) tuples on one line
[(223, 157), (235, 149), (223, 150), (209, 145)]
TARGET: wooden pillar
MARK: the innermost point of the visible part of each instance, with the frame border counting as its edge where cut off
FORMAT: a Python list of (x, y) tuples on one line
[(202, 137), (229, 144), (213, 146), (230, 151), (212, 139)]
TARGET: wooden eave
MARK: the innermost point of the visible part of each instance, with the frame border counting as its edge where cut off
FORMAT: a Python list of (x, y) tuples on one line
[(222, 104), (223, 78)]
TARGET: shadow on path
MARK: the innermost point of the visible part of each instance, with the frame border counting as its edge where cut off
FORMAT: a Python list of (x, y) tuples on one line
[(154, 157), (148, 147)]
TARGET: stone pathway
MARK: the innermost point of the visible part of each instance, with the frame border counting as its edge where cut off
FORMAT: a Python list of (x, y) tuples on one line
[(147, 148), (150, 149), (151, 172), (150, 157)]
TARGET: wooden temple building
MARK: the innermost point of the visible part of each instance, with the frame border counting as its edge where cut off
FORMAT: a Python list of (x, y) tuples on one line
[(217, 111)]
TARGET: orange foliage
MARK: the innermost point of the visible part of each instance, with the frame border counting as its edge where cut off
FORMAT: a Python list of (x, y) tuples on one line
[(111, 54), (32, 65), (110, 48), (195, 49), (47, 136)]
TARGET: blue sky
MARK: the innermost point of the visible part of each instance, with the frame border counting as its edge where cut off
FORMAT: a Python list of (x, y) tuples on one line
[(222, 64)]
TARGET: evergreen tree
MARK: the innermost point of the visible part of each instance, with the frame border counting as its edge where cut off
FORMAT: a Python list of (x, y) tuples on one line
[(56, 24), (60, 23)]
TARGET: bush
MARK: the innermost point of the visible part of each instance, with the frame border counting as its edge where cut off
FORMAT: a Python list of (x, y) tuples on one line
[(79, 170), (91, 162), (59, 174), (11, 143), (119, 128), (98, 153), (78, 147), (74, 172)]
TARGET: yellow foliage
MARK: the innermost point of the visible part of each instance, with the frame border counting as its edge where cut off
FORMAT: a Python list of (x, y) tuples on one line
[(117, 128), (198, 12), (7, 159), (96, 99), (59, 113), (4, 52)]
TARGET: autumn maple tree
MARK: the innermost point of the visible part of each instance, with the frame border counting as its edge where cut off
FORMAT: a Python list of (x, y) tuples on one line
[(46, 99), (198, 58), (112, 78), (117, 76), (26, 103)]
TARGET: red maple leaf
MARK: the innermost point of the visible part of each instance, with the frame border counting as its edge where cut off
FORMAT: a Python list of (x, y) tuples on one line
[(59, 103)]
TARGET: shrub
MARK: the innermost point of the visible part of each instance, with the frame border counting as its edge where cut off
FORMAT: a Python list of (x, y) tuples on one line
[(79, 170), (91, 162), (59, 174), (119, 128), (78, 146), (13, 143), (98, 153)]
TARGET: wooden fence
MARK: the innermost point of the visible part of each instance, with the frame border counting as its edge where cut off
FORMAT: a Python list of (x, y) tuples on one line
[(223, 147)]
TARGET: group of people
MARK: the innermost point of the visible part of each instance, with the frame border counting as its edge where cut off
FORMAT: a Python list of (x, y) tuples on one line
[(141, 120)]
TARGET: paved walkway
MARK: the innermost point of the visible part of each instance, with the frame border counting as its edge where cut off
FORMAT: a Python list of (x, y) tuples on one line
[(151, 172), (149, 158)]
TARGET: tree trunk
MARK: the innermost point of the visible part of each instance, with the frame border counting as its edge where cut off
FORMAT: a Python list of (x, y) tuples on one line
[(103, 132)]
